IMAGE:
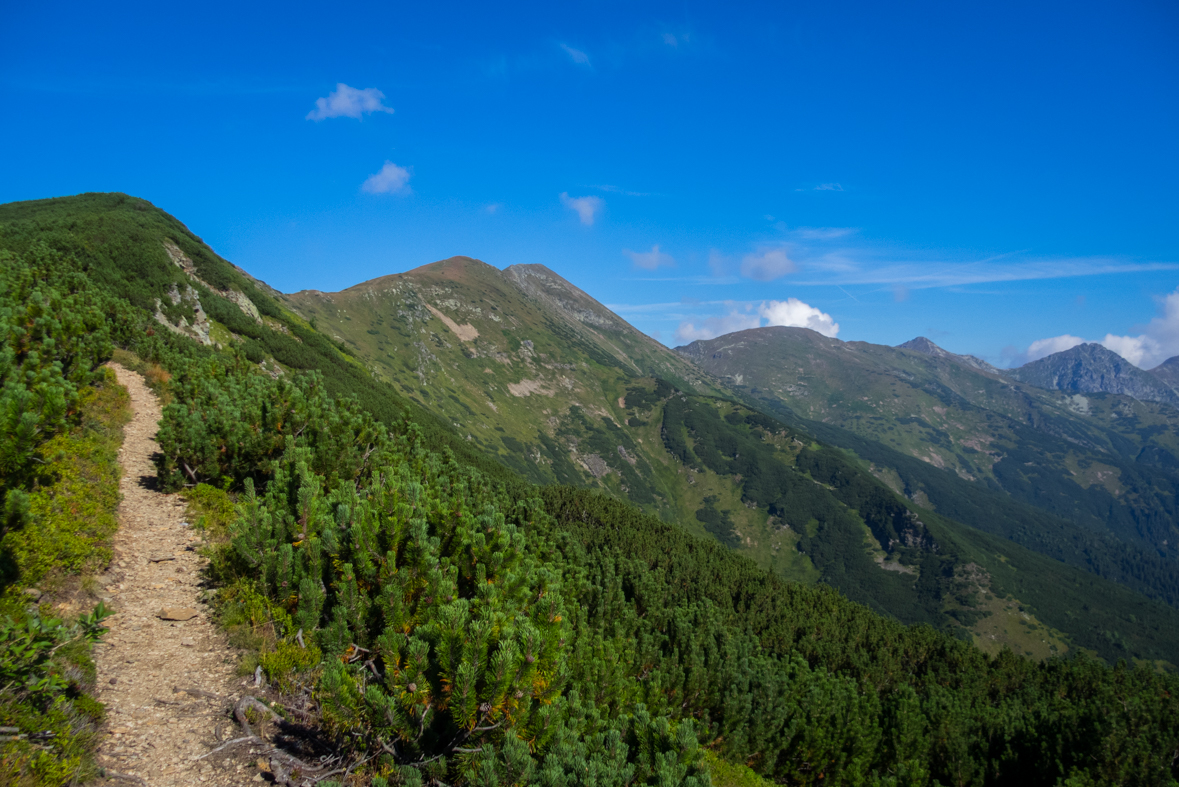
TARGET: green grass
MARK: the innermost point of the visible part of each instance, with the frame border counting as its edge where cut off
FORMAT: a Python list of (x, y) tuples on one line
[(73, 504), (73, 509)]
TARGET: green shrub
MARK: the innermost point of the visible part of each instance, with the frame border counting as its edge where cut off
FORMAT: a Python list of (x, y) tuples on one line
[(210, 509)]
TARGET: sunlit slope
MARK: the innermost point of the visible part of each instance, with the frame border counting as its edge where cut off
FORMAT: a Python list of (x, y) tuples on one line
[(1088, 479), (523, 364), (511, 368), (141, 254)]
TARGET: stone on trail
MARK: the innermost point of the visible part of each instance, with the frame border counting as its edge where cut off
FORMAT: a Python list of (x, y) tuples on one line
[(176, 613)]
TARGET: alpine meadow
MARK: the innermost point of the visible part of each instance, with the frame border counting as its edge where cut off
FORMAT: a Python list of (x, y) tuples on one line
[(464, 525)]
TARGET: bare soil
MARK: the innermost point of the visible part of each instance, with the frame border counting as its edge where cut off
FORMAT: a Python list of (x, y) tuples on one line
[(168, 685)]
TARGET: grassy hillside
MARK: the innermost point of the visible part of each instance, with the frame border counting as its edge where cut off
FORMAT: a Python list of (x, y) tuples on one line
[(1090, 480), (522, 364)]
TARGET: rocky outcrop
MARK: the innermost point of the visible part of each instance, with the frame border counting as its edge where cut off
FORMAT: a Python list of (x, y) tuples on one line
[(200, 326), (240, 299)]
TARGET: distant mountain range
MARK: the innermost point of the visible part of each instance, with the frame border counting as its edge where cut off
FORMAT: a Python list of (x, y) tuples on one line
[(1090, 479)]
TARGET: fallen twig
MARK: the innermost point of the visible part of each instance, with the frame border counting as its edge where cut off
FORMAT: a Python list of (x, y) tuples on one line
[(239, 712), (122, 777), (234, 742)]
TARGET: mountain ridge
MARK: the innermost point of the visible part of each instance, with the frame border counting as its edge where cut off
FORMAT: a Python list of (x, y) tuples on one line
[(1101, 468), (927, 347)]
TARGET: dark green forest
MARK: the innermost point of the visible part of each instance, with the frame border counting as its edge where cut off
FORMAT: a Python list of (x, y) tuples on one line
[(458, 625), (1034, 511)]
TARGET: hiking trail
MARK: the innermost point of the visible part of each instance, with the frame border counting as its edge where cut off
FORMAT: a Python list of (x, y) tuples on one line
[(166, 673)]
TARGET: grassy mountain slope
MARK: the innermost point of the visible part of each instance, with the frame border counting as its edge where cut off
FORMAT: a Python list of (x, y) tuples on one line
[(142, 255), (521, 363), (1087, 479), (515, 634)]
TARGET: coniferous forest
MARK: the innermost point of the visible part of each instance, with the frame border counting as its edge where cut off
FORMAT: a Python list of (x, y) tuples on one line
[(450, 622)]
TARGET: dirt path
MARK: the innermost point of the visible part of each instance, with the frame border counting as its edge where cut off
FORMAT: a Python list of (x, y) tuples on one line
[(156, 733)]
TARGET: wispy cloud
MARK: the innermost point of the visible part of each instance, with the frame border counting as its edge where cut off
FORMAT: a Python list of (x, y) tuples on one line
[(349, 102), (587, 208), (493, 208), (711, 327), (843, 267), (576, 55), (824, 233), (390, 180), (617, 190), (671, 40), (650, 260), (718, 263), (829, 187), (767, 265)]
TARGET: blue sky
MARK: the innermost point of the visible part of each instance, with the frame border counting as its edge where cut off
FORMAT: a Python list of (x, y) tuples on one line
[(996, 176)]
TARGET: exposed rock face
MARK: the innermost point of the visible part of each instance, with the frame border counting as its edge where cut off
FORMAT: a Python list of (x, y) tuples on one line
[(199, 329), (546, 286), (926, 347), (1091, 368), (1168, 372), (185, 264)]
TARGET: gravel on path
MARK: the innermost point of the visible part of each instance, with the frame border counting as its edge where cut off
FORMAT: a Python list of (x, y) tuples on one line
[(156, 731)]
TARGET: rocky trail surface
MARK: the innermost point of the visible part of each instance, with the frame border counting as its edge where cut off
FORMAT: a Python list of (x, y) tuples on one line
[(165, 671)]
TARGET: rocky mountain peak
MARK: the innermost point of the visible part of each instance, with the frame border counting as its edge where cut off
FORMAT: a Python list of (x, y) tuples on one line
[(1091, 368)]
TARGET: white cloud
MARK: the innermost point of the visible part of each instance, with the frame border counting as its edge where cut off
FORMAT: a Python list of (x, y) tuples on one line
[(390, 180), (1138, 350), (767, 265), (493, 208), (1041, 348), (349, 102), (670, 40), (650, 260), (794, 313), (587, 207), (576, 55), (829, 187), (790, 312)]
